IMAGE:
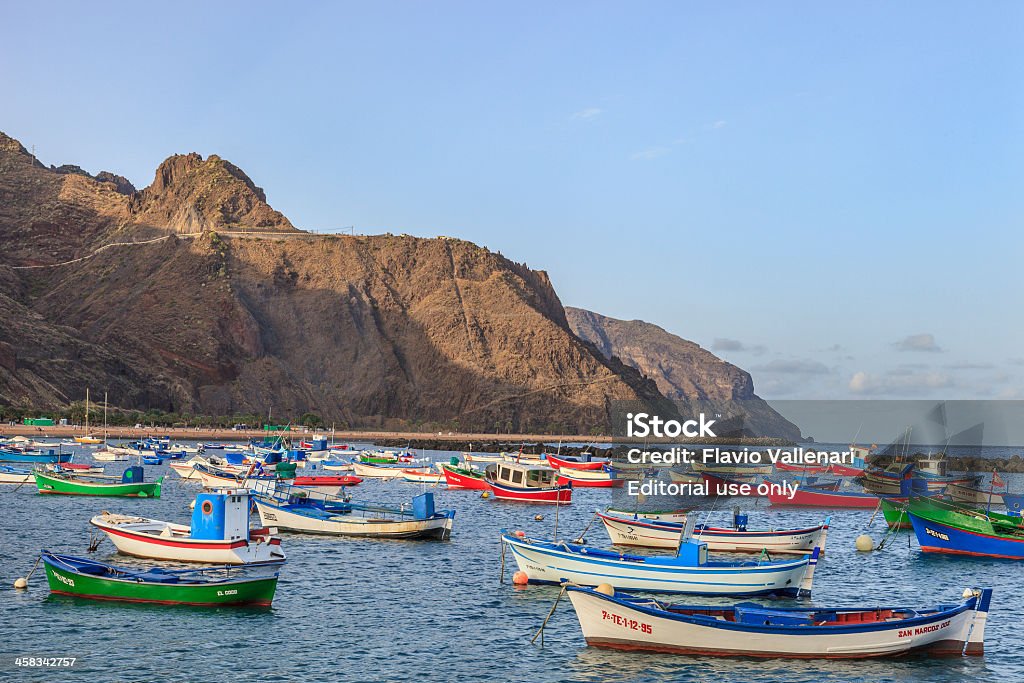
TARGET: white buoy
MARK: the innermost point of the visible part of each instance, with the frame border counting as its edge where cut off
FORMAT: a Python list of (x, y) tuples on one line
[(21, 583), (538, 518), (605, 589), (865, 544), (968, 593)]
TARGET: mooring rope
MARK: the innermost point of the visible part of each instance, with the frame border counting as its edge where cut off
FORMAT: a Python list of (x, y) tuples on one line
[(540, 631)]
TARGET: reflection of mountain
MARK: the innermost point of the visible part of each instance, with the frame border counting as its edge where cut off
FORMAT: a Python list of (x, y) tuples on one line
[(683, 371)]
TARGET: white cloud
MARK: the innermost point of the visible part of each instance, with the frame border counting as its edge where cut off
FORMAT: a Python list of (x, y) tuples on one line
[(917, 342), (793, 367), (899, 382), (649, 153), (588, 113), (718, 124)]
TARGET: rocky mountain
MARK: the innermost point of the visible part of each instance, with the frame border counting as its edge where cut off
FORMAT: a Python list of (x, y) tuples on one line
[(684, 371), (194, 295)]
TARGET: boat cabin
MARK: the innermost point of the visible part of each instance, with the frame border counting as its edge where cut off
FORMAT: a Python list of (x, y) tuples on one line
[(522, 476), (932, 466), (221, 515)]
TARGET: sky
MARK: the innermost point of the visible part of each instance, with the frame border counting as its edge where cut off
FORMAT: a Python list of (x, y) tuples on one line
[(829, 196)]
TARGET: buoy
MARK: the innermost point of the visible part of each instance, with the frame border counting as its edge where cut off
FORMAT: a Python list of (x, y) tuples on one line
[(485, 494), (865, 544), (520, 579), (22, 583), (606, 589), (968, 592), (519, 533), (538, 518), (579, 541)]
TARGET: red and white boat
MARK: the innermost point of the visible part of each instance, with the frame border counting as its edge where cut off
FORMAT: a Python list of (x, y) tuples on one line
[(422, 476), (806, 469), (605, 477), (582, 462), (220, 533), (845, 471), (328, 484), (462, 478), (526, 483), (76, 467), (812, 497)]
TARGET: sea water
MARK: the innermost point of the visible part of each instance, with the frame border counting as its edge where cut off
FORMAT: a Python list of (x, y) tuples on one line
[(372, 610)]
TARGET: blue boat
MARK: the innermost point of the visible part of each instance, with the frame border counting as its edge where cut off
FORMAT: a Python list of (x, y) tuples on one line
[(48, 456), (944, 527), (153, 460), (1014, 503), (689, 571)]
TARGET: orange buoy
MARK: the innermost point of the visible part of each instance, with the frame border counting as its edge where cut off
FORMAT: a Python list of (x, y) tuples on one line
[(519, 533), (520, 579)]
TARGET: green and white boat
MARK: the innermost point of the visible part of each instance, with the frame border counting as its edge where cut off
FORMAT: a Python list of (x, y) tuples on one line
[(131, 484), (208, 587)]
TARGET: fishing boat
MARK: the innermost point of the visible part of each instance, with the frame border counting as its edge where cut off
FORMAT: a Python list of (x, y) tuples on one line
[(805, 469), (962, 493), (481, 458), (186, 469), (895, 513), (525, 458), (584, 461), (811, 497), (34, 455), (110, 455), (620, 621), (74, 468), (635, 531), (336, 465), (943, 527), (290, 508), (209, 586), (14, 475), (463, 478), (845, 470), (733, 471), (526, 483), (688, 571), (931, 471), (131, 484), (152, 460), (606, 477), (220, 533), (326, 483), (1014, 503), (375, 471), (656, 515), (382, 457), (718, 485), (421, 476), (685, 477)]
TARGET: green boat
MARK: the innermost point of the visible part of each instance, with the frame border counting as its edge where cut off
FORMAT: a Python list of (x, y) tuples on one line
[(945, 527), (896, 514), (131, 484), (377, 458), (209, 586)]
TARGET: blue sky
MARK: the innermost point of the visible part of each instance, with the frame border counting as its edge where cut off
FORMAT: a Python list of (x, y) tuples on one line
[(829, 196)]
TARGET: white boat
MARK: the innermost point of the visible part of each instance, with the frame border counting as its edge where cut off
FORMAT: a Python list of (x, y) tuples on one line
[(660, 515), (689, 571), (479, 458), (287, 510), (635, 531), (110, 455), (616, 620), (685, 477), (186, 469), (15, 475), (220, 533), (422, 476), (976, 496), (371, 471)]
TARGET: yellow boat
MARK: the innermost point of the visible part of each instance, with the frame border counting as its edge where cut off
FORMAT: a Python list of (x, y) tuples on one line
[(87, 439)]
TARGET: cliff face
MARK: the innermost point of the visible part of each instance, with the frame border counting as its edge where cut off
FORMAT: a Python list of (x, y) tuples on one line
[(213, 314), (683, 371)]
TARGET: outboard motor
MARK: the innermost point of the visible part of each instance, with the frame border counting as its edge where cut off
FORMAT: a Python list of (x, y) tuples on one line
[(739, 520)]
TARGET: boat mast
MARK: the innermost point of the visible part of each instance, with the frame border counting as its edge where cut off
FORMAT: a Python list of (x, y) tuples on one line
[(87, 411), (104, 419)]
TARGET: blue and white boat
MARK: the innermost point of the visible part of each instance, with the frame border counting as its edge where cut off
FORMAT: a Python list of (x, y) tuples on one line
[(616, 620), (689, 571), (36, 455), (293, 508), (15, 475)]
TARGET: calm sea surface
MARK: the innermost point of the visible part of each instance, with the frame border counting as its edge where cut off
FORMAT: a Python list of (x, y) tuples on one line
[(361, 610)]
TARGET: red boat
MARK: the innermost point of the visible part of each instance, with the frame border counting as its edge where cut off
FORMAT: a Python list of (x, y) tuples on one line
[(526, 483), (580, 463), (327, 480), (806, 469), (844, 471), (459, 478), (811, 497)]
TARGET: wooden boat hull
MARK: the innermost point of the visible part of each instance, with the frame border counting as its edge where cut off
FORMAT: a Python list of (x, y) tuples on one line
[(256, 592), (895, 514), (548, 563), (626, 623), (649, 534), (301, 519), (600, 479), (969, 494), (13, 475), (457, 479), (60, 486), (942, 529), (809, 497), (559, 463), (158, 540), (561, 495)]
